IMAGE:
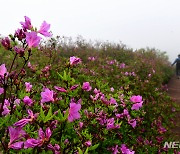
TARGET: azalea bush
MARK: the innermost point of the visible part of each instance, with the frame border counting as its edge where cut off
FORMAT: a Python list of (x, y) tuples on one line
[(61, 99)]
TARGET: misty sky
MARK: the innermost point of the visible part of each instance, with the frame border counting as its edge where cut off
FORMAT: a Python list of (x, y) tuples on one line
[(136, 23)]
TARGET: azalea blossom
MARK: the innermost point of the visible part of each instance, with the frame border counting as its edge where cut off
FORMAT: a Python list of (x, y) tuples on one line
[(122, 65), (111, 125), (28, 101), (112, 101), (19, 51), (115, 149), (20, 34), (42, 139), (23, 122), (86, 86), (56, 148), (74, 112), (27, 24), (81, 124), (136, 106), (74, 60), (16, 135), (88, 143), (112, 89), (74, 87), (32, 39), (44, 29), (6, 110), (6, 43), (17, 102), (132, 122), (47, 96), (28, 86), (1, 91), (136, 99), (125, 150), (60, 89), (3, 70)]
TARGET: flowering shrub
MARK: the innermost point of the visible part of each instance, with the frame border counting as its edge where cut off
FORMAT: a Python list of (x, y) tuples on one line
[(80, 104)]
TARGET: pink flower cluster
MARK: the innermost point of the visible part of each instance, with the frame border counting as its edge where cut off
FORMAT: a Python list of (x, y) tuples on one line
[(3, 71), (74, 111), (74, 60), (31, 37), (86, 86), (137, 100)]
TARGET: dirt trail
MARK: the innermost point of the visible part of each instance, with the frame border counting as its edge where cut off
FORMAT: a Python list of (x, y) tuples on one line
[(174, 92)]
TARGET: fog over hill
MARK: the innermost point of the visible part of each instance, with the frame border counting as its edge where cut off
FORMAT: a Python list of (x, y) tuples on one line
[(137, 23)]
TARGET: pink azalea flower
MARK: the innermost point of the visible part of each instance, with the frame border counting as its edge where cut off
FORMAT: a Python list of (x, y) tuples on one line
[(6, 110), (111, 125), (1, 91), (74, 112), (126, 73), (16, 134), (91, 58), (113, 101), (81, 124), (159, 138), (28, 101), (28, 86), (125, 150), (74, 60), (132, 122), (162, 130), (3, 70), (96, 91), (115, 150), (23, 122), (32, 39), (136, 106), (6, 43), (136, 99), (27, 24), (86, 86), (74, 87), (56, 148), (60, 89), (112, 89), (17, 102), (88, 143), (44, 29), (122, 65), (19, 51), (119, 116), (42, 139), (126, 112), (47, 96), (20, 34), (29, 64)]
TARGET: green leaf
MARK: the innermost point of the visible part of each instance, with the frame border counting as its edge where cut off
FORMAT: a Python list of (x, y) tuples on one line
[(49, 115), (86, 152), (79, 151), (61, 77), (65, 76), (66, 114), (42, 115), (4, 120), (93, 147)]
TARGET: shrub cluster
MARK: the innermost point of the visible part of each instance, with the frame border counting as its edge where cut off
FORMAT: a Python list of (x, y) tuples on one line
[(79, 98)]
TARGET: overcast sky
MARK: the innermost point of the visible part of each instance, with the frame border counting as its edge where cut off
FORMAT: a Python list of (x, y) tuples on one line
[(136, 23)]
